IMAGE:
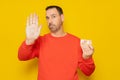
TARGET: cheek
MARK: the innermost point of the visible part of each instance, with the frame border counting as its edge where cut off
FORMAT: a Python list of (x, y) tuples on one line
[(58, 21), (55, 21), (47, 21)]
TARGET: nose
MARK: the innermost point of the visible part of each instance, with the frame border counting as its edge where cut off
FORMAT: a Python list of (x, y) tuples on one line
[(49, 20)]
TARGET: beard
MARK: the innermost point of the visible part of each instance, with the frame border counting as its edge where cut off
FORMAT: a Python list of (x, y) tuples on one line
[(54, 28)]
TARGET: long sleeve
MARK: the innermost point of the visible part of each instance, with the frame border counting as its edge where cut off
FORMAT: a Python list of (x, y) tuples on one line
[(87, 66), (26, 52)]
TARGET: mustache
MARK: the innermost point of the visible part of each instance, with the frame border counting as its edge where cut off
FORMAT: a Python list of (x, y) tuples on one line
[(50, 24)]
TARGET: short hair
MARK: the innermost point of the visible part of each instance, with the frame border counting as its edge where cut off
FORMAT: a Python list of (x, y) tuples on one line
[(59, 9)]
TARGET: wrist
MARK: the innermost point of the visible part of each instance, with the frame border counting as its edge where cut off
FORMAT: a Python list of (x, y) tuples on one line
[(86, 56), (29, 41)]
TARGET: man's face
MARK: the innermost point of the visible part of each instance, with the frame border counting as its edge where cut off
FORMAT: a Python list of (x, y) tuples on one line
[(54, 19)]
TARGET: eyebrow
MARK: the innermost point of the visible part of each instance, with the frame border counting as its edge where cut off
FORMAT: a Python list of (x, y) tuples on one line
[(47, 17), (53, 14), (50, 15)]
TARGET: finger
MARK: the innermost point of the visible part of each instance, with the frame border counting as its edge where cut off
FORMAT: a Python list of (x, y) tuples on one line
[(39, 28), (38, 31), (91, 47), (27, 23), (85, 41), (31, 19), (83, 45), (27, 31), (81, 41), (34, 18), (86, 47), (89, 42)]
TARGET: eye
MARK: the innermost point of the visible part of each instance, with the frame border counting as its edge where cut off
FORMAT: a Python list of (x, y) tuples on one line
[(53, 16)]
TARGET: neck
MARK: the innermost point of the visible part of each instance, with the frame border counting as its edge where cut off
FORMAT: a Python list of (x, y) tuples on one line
[(59, 33)]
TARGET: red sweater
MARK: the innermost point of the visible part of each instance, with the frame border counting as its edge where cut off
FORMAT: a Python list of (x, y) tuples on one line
[(59, 57)]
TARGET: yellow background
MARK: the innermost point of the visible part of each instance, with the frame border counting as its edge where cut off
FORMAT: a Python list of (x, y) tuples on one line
[(98, 20)]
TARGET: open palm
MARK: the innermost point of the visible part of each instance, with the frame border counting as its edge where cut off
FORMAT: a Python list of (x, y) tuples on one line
[(32, 28)]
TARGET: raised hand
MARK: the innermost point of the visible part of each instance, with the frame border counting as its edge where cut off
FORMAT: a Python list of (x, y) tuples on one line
[(87, 48), (32, 29)]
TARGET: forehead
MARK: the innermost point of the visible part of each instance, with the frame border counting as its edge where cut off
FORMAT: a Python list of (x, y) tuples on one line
[(51, 11)]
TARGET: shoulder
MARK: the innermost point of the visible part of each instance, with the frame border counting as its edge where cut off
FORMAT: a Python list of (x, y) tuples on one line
[(73, 36), (43, 36), (74, 39)]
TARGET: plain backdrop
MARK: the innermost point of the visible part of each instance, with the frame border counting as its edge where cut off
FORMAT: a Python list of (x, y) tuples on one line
[(98, 20)]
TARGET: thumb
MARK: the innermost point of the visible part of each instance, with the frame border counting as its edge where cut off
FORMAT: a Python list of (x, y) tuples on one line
[(39, 28)]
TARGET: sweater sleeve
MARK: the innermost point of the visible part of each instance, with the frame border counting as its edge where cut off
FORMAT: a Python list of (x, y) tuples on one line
[(87, 66), (26, 52)]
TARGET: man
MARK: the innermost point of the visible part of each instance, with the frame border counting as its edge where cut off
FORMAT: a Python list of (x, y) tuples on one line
[(59, 53)]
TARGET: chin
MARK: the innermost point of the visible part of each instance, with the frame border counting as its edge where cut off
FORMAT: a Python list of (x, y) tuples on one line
[(53, 31)]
